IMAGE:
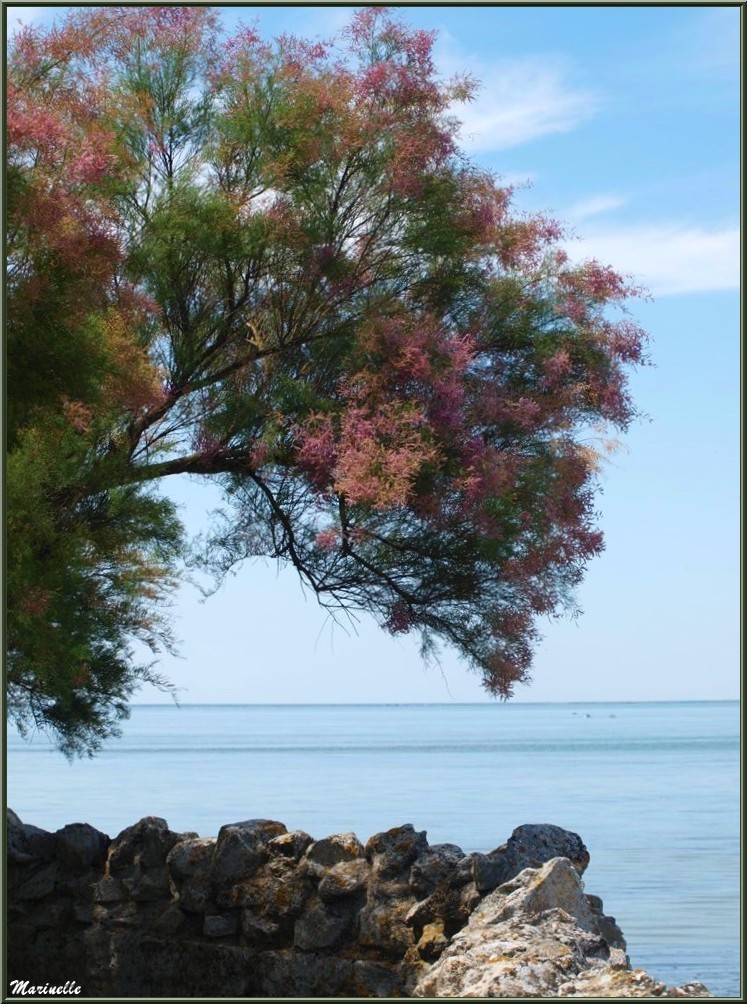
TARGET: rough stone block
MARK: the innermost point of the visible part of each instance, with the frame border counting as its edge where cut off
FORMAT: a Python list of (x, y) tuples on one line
[(81, 847), (344, 879), (241, 849), (322, 926), (394, 850)]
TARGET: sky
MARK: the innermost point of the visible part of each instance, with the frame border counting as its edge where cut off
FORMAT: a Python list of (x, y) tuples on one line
[(624, 123)]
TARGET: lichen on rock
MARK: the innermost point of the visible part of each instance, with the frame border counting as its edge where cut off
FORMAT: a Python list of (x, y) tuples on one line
[(262, 912)]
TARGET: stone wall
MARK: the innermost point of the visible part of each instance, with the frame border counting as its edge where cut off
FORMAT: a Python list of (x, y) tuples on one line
[(263, 912)]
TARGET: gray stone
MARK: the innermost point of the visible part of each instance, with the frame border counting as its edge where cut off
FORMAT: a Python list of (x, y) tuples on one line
[(322, 925), (279, 890), (37, 883), (255, 927), (220, 925), (382, 925), (333, 850), (108, 890), (535, 936), (190, 858), (149, 885), (194, 895), (315, 920), (28, 843), (146, 843), (377, 979), (289, 973), (170, 922), (289, 845), (81, 847), (241, 849), (394, 850), (489, 872), (434, 866), (344, 879), (607, 926)]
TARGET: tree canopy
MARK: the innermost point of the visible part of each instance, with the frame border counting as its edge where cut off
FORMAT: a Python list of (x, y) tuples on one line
[(271, 265)]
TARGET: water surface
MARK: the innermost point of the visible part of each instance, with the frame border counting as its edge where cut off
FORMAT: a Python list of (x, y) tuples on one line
[(652, 788)]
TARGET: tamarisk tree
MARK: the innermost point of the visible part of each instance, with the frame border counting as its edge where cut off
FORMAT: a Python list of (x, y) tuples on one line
[(271, 265)]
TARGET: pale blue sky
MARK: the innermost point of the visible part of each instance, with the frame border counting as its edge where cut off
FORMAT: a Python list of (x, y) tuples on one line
[(626, 122)]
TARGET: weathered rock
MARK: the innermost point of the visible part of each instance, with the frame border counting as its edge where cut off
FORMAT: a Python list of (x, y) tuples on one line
[(195, 895), (433, 867), (108, 890), (220, 925), (322, 854), (190, 858), (27, 843), (80, 847), (289, 845), (279, 890), (450, 904), (432, 941), (260, 913), (257, 928), (394, 850), (146, 843), (170, 922), (37, 882), (376, 979), (287, 973), (344, 879), (626, 983), (382, 925), (535, 936), (607, 926), (322, 925), (149, 885), (241, 849)]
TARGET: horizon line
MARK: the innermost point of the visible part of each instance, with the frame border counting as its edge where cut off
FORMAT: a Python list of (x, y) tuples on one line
[(419, 704)]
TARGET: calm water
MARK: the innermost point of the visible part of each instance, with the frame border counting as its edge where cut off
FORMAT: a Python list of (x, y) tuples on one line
[(653, 789)]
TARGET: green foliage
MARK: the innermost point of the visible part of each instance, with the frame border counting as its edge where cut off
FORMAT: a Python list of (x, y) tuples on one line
[(272, 266), (86, 575)]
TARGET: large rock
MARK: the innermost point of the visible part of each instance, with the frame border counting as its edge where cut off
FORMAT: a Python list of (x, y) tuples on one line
[(289, 845), (190, 858), (536, 936), (322, 925), (146, 843), (261, 912), (434, 867), (394, 850), (80, 847), (28, 843), (322, 854), (277, 892), (529, 846), (347, 878), (241, 849)]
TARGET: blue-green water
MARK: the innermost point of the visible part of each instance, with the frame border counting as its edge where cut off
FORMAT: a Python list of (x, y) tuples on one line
[(653, 789)]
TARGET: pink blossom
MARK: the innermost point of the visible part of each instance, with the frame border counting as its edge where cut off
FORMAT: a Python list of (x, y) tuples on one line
[(328, 539)]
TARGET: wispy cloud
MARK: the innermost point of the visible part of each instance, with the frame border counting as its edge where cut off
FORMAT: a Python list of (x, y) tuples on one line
[(667, 258), (520, 101), (595, 205)]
